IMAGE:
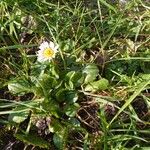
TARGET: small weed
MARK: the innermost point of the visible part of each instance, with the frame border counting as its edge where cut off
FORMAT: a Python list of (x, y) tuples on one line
[(75, 74)]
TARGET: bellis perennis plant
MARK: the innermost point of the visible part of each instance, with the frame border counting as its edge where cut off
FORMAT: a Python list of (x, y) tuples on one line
[(47, 51)]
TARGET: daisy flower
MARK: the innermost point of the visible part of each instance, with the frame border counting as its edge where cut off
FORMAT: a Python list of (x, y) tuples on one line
[(47, 51)]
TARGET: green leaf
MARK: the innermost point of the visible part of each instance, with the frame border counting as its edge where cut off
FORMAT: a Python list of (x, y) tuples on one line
[(18, 117), (55, 126), (67, 45), (32, 140), (47, 81), (19, 86), (75, 122), (54, 72), (51, 107), (68, 82), (58, 141), (91, 72), (99, 85), (77, 79), (21, 112), (73, 79), (60, 135), (37, 69), (69, 96), (20, 106), (71, 110), (44, 84)]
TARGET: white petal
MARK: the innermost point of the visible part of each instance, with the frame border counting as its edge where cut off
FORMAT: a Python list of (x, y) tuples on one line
[(40, 59), (39, 52), (44, 45), (56, 47), (50, 58), (53, 56), (55, 50), (51, 45)]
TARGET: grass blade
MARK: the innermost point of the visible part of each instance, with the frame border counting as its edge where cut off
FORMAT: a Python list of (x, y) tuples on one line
[(135, 94)]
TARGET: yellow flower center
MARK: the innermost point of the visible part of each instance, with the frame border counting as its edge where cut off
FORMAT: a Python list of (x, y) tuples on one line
[(48, 52)]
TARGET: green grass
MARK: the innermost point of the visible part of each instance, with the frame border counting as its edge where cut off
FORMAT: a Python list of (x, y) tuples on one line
[(95, 94)]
